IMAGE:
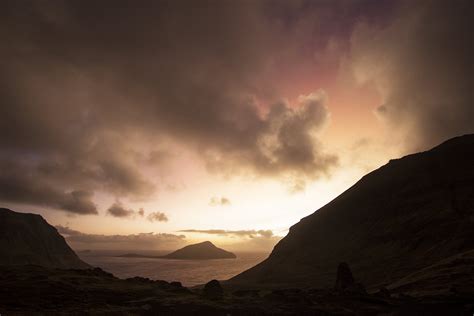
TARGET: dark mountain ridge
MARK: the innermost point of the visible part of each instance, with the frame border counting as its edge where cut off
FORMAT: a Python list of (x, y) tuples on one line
[(403, 217), (29, 239)]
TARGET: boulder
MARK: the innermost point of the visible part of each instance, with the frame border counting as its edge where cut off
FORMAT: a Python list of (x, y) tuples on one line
[(345, 281), (213, 290), (344, 277)]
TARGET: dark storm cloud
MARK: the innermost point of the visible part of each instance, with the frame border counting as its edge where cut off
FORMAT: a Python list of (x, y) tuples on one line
[(124, 179), (79, 202), (423, 64), (144, 241), (85, 85), (283, 145), (240, 233), (19, 186)]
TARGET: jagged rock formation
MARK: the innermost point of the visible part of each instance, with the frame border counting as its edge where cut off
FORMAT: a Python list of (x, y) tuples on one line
[(29, 239), (200, 251), (403, 217)]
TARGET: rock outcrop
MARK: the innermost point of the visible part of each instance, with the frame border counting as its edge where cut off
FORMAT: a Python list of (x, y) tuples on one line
[(403, 217), (345, 280), (344, 277), (29, 239), (201, 251), (213, 290)]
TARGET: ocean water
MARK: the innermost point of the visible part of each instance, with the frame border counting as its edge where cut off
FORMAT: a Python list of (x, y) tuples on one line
[(188, 272)]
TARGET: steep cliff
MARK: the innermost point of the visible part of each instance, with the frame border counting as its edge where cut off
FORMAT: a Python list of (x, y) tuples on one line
[(29, 239)]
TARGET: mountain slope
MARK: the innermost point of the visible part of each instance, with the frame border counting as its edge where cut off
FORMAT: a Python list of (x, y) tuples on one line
[(405, 216), (453, 275), (29, 239), (200, 251)]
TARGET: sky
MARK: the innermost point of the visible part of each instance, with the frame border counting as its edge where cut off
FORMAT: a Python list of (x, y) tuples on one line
[(154, 124)]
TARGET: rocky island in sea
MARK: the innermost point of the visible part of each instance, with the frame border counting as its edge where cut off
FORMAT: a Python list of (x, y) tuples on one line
[(201, 251)]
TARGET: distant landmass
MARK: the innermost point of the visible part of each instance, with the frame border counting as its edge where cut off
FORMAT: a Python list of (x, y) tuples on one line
[(200, 251), (408, 215), (29, 239)]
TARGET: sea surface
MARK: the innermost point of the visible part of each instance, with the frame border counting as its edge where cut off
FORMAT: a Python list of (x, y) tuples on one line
[(188, 272)]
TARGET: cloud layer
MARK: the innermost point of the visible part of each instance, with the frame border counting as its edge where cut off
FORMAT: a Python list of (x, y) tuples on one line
[(422, 65), (239, 233), (18, 185), (87, 111), (141, 241), (84, 109)]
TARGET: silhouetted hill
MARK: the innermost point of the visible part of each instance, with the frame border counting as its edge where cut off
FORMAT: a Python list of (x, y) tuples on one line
[(406, 216), (29, 239), (200, 251)]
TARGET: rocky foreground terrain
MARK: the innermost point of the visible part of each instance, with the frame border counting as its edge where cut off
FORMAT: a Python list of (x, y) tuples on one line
[(34, 290)]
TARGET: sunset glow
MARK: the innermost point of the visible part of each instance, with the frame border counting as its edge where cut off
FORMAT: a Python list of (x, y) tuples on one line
[(236, 116)]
